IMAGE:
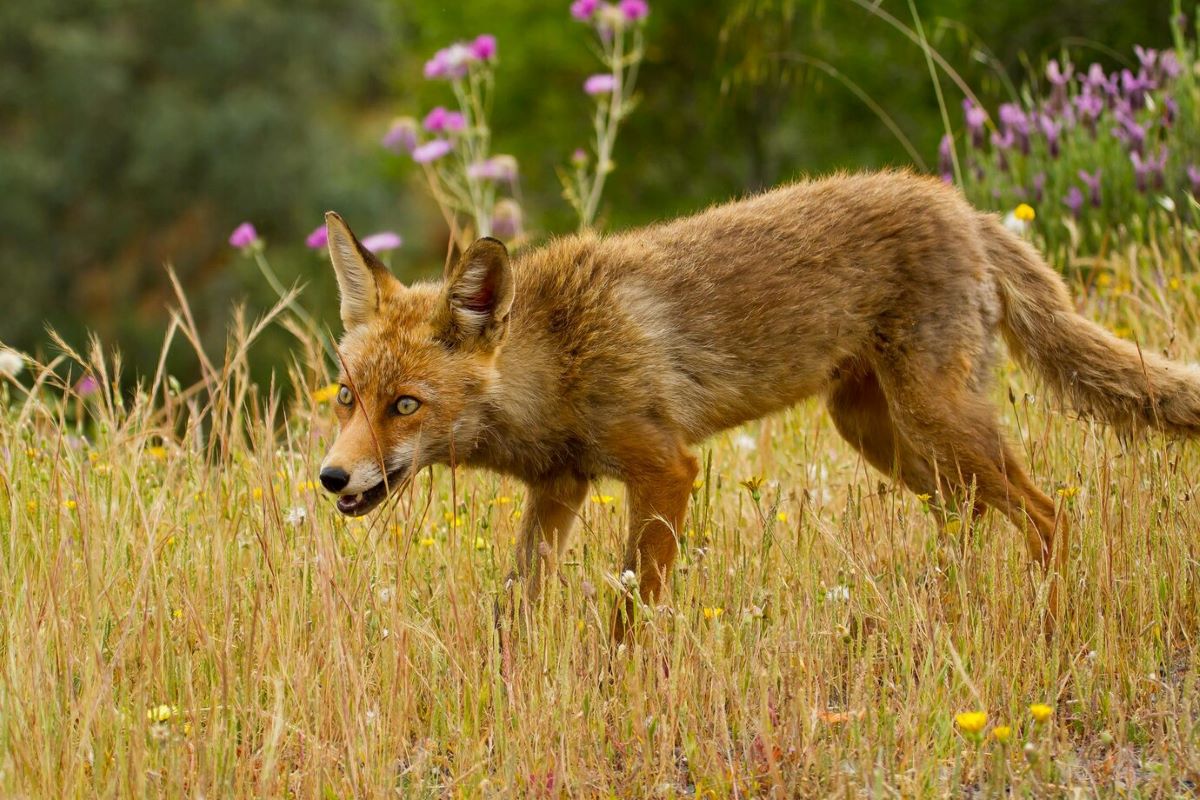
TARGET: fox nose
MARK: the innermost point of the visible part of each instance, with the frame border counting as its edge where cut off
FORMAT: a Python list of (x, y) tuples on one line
[(334, 479)]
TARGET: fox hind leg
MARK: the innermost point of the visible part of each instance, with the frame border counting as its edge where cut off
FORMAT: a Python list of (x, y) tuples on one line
[(860, 413), (958, 428)]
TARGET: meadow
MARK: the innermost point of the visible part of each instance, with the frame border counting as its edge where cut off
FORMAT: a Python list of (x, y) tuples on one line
[(187, 615)]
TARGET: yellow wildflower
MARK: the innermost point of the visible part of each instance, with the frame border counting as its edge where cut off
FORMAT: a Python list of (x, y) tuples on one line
[(713, 612), (1024, 212), (31, 506), (70, 505), (1068, 491), (971, 722), (161, 713), (428, 541), (1041, 712), (502, 500), (602, 499), (924, 498), (1173, 284), (257, 493), (1103, 279), (177, 613), (781, 516), (952, 527), (326, 393), (480, 543), (1001, 733), (157, 452)]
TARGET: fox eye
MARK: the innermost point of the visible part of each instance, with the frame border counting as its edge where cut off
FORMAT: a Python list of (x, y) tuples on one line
[(407, 405), (345, 396)]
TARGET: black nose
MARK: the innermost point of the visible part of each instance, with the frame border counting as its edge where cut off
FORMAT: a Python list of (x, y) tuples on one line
[(334, 478)]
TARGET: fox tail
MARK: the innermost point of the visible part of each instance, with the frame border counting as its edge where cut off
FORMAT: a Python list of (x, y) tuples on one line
[(1098, 373)]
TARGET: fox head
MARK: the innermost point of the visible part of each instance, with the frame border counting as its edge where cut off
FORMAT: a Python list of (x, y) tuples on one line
[(418, 364)]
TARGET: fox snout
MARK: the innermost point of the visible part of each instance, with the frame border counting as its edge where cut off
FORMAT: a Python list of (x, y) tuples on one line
[(334, 479)]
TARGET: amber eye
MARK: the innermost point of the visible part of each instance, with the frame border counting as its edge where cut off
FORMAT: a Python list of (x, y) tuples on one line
[(345, 396), (407, 405)]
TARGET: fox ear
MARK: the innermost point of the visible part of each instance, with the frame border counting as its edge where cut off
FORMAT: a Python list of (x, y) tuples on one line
[(478, 295), (361, 277)]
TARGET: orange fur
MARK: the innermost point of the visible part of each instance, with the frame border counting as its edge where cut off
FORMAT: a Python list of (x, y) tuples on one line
[(610, 356)]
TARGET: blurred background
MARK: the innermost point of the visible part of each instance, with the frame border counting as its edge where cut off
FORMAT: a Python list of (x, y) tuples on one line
[(139, 133)]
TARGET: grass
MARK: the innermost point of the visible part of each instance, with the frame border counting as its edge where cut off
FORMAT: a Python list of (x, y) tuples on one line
[(174, 626)]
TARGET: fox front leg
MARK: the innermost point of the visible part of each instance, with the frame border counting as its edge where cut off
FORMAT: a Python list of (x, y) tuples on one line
[(551, 509), (659, 472)]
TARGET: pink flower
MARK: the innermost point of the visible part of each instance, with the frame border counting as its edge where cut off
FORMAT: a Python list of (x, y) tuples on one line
[(583, 10), (496, 168), (450, 62), (402, 136), (579, 157), (634, 10), (439, 120), (484, 47), (318, 238), (431, 151), (87, 385), (382, 242), (602, 83), (243, 236)]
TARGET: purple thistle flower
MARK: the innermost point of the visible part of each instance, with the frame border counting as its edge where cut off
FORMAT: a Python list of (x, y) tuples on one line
[(583, 10), (1149, 168), (431, 151), (402, 136), (579, 157), (484, 47), (1193, 173), (602, 83), (946, 158), (1092, 181), (450, 62), (1074, 200), (496, 168), (243, 236), (507, 219), (634, 10), (976, 117), (1089, 105), (318, 238), (439, 120), (1051, 130), (87, 385), (382, 242)]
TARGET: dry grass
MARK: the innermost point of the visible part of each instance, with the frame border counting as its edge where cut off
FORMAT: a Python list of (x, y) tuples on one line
[(168, 632)]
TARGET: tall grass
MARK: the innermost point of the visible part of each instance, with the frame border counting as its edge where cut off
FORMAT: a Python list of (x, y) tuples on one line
[(186, 615)]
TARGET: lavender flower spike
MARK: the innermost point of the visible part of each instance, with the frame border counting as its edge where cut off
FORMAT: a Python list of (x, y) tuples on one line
[(1193, 173), (1074, 200), (1092, 181), (976, 117)]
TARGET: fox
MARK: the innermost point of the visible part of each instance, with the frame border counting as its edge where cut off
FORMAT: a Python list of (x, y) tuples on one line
[(613, 356)]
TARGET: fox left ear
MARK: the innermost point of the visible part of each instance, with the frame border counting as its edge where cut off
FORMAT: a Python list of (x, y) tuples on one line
[(478, 296), (361, 277)]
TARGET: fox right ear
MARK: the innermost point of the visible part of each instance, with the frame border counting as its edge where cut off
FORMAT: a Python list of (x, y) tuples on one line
[(361, 277)]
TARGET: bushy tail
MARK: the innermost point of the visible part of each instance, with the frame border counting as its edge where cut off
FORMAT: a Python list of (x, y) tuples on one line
[(1096, 372)]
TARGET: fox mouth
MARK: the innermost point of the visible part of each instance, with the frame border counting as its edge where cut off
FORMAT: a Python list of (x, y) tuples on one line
[(355, 505)]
